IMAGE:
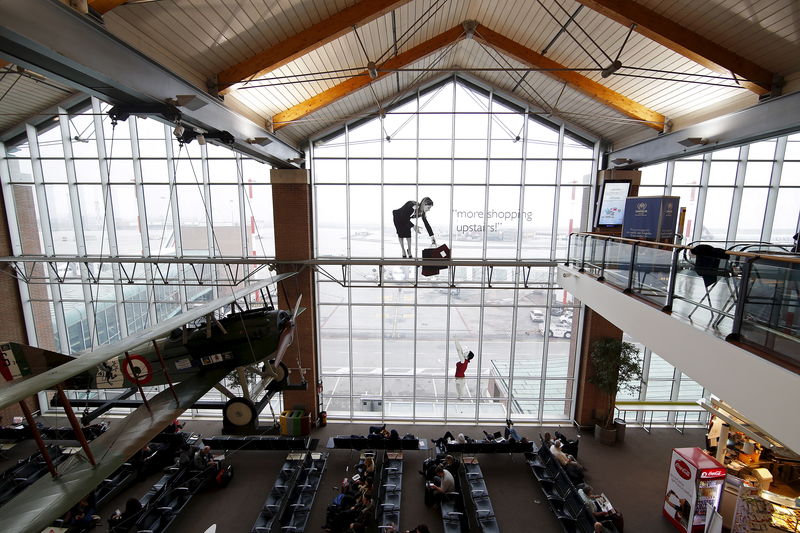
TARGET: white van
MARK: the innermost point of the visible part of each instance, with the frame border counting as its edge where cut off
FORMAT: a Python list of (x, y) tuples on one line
[(557, 329)]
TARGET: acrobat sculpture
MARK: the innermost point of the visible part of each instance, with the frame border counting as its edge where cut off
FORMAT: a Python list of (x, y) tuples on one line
[(402, 222), (461, 368)]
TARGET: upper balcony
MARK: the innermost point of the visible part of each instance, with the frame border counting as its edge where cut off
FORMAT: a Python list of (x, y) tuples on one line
[(730, 319)]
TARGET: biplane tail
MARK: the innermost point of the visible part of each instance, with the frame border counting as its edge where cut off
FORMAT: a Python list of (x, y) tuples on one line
[(21, 361)]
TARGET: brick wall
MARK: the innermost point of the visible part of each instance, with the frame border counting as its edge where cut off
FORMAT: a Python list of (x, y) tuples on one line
[(12, 327)]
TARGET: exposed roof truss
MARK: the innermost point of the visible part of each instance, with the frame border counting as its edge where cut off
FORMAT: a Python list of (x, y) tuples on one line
[(307, 40), (685, 42)]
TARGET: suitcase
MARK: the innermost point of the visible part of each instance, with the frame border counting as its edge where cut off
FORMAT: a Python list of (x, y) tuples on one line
[(442, 252)]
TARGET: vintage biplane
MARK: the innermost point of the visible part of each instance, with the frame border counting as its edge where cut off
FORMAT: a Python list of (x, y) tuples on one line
[(189, 353)]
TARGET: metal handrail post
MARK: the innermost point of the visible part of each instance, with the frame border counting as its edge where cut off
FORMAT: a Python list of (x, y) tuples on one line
[(634, 248), (602, 276), (569, 247), (673, 276), (583, 254), (744, 289)]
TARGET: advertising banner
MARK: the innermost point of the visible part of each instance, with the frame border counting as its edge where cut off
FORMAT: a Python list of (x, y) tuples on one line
[(669, 217), (680, 494), (650, 218)]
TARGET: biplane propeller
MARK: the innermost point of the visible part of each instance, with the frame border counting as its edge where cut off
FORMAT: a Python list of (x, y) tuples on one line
[(190, 353)]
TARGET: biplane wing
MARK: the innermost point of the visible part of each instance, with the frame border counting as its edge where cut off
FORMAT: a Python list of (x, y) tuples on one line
[(88, 360), (38, 506)]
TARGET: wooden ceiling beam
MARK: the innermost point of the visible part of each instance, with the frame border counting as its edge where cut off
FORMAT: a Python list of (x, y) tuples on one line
[(587, 86), (306, 41), (104, 6), (684, 41), (363, 79)]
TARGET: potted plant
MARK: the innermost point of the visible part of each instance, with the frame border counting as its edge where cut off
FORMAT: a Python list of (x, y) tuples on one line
[(616, 368)]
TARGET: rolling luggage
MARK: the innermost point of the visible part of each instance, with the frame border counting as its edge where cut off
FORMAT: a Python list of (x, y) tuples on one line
[(442, 252)]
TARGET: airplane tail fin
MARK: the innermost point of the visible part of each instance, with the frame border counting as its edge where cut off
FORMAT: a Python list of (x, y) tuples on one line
[(20, 360)]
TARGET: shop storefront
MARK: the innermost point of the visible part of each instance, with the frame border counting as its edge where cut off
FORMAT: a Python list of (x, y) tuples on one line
[(762, 489)]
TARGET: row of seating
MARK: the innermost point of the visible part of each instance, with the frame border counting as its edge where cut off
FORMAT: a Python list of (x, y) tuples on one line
[(357, 442), (289, 501), (278, 498), (15, 479), (562, 495), (453, 506), (21, 432), (387, 510), (488, 447), (258, 443), (304, 492), (165, 500), (122, 478), (477, 497)]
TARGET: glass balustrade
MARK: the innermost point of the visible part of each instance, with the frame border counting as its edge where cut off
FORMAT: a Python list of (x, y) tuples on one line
[(741, 296)]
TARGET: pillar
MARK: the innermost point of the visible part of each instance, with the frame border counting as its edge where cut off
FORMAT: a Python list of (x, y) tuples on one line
[(292, 210), (590, 401), (12, 327)]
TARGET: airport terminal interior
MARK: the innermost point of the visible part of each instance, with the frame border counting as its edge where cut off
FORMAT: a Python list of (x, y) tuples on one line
[(316, 236)]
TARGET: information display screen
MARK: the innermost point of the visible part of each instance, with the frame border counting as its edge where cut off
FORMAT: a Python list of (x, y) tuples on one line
[(612, 203)]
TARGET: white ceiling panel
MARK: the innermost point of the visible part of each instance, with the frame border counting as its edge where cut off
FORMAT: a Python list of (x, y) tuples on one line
[(764, 31), (198, 38), (22, 97)]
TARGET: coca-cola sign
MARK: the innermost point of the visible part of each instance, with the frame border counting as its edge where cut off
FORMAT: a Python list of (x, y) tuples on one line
[(683, 469), (707, 474)]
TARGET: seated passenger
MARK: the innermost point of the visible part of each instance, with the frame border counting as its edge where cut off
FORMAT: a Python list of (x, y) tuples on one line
[(600, 528), (590, 501), (446, 484), (573, 469), (369, 467), (204, 460), (448, 438), (82, 515), (451, 465), (511, 433), (560, 456), (132, 506)]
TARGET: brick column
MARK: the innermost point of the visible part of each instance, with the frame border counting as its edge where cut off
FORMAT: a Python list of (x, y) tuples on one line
[(293, 213), (591, 402), (12, 327)]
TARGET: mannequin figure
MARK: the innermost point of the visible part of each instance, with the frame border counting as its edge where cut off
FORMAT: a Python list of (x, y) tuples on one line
[(402, 222), (461, 367)]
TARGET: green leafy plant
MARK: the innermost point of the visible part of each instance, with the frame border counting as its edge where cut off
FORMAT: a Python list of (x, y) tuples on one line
[(616, 368)]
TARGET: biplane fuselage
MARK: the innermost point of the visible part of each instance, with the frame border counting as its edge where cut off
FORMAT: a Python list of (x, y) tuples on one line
[(239, 339)]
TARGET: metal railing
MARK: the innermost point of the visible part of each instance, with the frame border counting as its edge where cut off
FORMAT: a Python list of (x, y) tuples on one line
[(745, 297)]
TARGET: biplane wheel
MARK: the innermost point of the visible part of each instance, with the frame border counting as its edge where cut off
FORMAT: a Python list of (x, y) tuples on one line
[(239, 412), (282, 372)]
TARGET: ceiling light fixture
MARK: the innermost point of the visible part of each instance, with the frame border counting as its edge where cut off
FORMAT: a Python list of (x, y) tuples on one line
[(693, 141), (622, 161), (372, 68), (611, 69), (261, 141), (189, 101)]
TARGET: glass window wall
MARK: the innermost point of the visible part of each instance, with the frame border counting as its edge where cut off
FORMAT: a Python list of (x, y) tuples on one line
[(505, 184)]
